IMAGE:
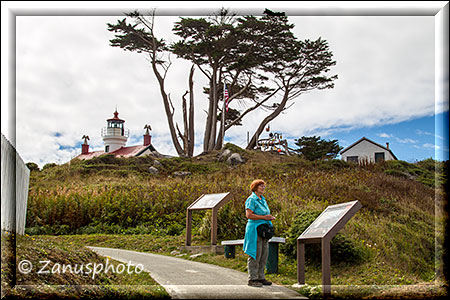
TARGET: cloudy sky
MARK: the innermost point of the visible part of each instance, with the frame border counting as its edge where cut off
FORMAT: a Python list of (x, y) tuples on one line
[(69, 81)]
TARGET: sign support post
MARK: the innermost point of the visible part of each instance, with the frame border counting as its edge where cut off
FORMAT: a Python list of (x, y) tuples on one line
[(188, 226), (300, 262), (214, 226), (326, 267)]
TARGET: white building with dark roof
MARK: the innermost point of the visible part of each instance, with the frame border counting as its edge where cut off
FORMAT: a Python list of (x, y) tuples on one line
[(365, 150)]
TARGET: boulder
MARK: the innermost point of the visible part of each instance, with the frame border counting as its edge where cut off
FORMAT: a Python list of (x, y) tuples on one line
[(223, 155), (153, 170), (235, 159), (196, 255), (181, 173)]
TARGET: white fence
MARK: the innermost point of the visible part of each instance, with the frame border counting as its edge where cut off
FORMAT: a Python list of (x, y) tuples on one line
[(15, 180)]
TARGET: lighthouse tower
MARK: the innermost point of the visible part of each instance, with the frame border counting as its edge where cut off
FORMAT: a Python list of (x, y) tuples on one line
[(114, 135)]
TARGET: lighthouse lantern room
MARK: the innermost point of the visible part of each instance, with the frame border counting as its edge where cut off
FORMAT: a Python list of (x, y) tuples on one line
[(115, 135)]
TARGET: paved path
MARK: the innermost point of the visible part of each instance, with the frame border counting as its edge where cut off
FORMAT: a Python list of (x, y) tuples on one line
[(185, 279)]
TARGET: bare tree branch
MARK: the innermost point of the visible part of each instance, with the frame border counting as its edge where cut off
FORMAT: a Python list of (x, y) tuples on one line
[(171, 105), (250, 109)]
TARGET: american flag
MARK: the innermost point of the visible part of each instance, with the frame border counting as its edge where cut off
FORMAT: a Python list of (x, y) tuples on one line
[(225, 96)]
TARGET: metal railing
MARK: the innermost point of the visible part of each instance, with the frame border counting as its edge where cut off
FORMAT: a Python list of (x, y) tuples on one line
[(114, 131)]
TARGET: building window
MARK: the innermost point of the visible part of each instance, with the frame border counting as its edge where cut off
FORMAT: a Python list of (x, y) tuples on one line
[(107, 148), (353, 159), (379, 157)]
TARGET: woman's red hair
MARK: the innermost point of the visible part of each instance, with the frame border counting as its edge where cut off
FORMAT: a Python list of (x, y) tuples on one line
[(256, 183)]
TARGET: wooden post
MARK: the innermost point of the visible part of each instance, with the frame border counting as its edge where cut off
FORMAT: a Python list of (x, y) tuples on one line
[(326, 264), (300, 262), (214, 226), (188, 226)]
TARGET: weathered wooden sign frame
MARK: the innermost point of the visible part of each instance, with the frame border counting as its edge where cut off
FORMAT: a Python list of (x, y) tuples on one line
[(312, 235), (202, 203)]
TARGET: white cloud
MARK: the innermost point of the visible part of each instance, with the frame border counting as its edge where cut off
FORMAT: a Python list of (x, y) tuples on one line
[(406, 141), (400, 140), (431, 146), (421, 132), (384, 135)]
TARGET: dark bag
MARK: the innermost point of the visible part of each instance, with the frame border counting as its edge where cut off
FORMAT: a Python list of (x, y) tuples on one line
[(265, 231)]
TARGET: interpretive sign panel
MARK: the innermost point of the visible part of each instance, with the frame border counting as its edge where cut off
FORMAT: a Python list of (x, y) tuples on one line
[(207, 201), (322, 230), (327, 220)]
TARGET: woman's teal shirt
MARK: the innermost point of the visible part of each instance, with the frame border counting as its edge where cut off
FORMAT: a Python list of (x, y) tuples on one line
[(259, 207)]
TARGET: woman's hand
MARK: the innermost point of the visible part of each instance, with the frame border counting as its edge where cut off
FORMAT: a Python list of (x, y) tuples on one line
[(269, 217)]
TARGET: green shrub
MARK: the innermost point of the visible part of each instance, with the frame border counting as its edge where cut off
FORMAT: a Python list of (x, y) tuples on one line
[(230, 224), (339, 163), (35, 230), (423, 171), (331, 164), (103, 159), (32, 166), (398, 165), (429, 164), (170, 165), (48, 166), (301, 221), (397, 173), (234, 148), (175, 229), (195, 168), (49, 230)]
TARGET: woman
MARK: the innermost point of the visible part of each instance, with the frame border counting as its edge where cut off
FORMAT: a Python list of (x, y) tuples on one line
[(257, 248)]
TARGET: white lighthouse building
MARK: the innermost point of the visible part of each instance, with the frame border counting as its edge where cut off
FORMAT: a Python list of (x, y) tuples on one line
[(115, 135)]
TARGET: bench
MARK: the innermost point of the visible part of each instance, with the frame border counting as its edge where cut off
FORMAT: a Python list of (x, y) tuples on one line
[(272, 260)]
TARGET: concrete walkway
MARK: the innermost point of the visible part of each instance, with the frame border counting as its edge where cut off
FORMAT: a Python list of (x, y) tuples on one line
[(185, 279)]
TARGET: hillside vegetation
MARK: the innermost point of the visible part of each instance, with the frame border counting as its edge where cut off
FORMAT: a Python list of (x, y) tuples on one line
[(398, 231)]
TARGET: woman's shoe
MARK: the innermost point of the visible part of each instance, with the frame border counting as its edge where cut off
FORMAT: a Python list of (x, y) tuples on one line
[(255, 283), (265, 282)]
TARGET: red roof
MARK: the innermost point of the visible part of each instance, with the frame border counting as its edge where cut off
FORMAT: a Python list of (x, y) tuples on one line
[(116, 117), (122, 152), (90, 155), (129, 151)]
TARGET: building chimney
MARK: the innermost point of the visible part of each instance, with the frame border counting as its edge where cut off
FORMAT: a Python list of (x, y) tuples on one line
[(84, 148), (147, 139), (387, 145), (85, 145), (147, 136)]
